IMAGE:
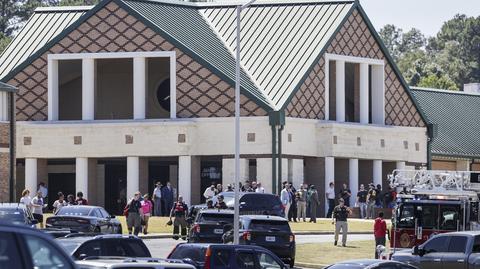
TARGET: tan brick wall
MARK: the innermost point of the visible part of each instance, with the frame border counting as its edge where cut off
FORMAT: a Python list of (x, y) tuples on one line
[(4, 176), (200, 93), (444, 165), (355, 39)]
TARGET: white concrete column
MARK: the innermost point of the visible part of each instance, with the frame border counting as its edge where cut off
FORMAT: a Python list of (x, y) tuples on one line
[(264, 173), (228, 171), (353, 179), (173, 86), (81, 176), (340, 90), (378, 94), (88, 89), (185, 178), (139, 87), (297, 172), (364, 94), (329, 177), (53, 90), (377, 172), (133, 176), (400, 165), (31, 175)]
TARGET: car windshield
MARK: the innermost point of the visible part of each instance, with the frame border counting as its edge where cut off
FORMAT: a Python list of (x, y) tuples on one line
[(68, 245), (258, 201), (269, 225), (12, 215), (74, 211), (228, 198), (197, 254), (210, 217)]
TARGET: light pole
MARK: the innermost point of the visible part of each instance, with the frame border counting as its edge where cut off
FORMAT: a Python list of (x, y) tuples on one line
[(237, 128)]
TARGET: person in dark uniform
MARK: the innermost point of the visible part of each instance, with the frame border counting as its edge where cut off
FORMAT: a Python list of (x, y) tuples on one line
[(135, 215), (220, 204), (339, 218), (179, 211)]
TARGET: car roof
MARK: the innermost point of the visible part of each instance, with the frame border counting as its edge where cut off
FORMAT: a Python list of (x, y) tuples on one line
[(135, 262), (12, 205), (262, 217), (467, 233), (366, 262), (217, 211), (83, 238), (83, 207), (23, 229), (205, 245)]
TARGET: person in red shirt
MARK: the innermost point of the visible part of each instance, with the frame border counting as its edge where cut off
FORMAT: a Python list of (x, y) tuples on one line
[(380, 231)]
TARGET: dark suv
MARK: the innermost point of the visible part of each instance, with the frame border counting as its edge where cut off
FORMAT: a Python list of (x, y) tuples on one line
[(209, 226), (221, 256), (270, 232)]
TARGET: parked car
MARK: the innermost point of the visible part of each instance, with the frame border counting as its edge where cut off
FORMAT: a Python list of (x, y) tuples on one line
[(85, 219), (22, 247), (209, 226), (457, 250), (149, 263), (251, 203), (370, 264), (220, 256), (270, 232), (82, 246), (17, 213)]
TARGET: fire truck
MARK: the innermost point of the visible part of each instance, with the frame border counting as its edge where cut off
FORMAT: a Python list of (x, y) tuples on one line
[(431, 202)]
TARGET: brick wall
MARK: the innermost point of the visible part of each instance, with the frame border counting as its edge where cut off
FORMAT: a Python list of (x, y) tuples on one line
[(4, 161)]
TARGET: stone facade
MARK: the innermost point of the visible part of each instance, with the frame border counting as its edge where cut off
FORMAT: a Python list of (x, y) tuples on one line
[(4, 161), (355, 39), (200, 93)]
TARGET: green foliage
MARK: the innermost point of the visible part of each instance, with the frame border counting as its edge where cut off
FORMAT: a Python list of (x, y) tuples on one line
[(438, 82), (4, 41), (398, 42)]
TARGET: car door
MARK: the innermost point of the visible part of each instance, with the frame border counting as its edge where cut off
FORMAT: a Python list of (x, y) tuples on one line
[(110, 227), (101, 221), (267, 261), (10, 256), (456, 257), (245, 260), (434, 250), (44, 254)]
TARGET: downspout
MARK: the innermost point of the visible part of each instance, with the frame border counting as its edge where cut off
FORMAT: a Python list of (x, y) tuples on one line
[(279, 157), (276, 121), (12, 148), (431, 130), (274, 158)]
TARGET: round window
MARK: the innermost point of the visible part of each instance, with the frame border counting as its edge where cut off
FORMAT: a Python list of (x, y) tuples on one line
[(163, 94)]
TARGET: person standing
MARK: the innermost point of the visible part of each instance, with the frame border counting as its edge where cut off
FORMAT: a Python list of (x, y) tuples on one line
[(58, 204), (157, 199), (330, 196), (42, 187), (167, 195), (389, 198), (219, 189), (339, 218), (259, 188), (179, 211), (292, 213), (285, 198), (314, 203), (380, 231), (135, 215), (220, 204), (26, 200), (71, 200), (379, 197), (362, 201), (301, 198), (209, 192), (80, 200), (345, 194), (371, 199), (38, 205), (147, 208)]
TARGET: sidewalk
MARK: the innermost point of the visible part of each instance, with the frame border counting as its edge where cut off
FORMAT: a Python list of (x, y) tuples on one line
[(169, 235)]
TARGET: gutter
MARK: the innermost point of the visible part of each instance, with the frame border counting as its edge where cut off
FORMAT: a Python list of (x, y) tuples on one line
[(276, 120), (12, 148), (431, 132)]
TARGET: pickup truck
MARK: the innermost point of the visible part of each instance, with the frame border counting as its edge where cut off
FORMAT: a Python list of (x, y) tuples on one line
[(457, 250)]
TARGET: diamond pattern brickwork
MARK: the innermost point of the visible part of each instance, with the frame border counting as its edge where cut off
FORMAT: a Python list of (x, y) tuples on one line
[(200, 93), (355, 39)]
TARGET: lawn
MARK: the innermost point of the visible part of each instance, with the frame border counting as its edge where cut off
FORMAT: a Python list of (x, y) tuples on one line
[(327, 253)]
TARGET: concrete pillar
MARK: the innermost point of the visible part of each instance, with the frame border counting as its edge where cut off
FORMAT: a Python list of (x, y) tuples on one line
[(53, 90), (400, 165), (173, 175), (340, 90), (139, 87), (297, 172), (378, 94), (133, 176), (88, 89), (329, 177), (143, 175), (228, 171), (81, 176), (31, 179), (463, 165), (353, 179), (184, 177), (264, 173), (377, 172), (364, 94)]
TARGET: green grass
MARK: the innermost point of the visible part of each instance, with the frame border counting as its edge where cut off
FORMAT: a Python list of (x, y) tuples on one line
[(327, 253)]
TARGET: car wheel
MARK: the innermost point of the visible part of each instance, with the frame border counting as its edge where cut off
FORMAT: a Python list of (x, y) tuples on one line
[(292, 263)]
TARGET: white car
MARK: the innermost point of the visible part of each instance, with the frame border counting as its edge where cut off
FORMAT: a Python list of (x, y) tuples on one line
[(122, 262)]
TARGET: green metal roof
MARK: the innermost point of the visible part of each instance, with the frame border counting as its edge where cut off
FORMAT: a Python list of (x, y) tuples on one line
[(455, 115), (43, 26), (4, 87)]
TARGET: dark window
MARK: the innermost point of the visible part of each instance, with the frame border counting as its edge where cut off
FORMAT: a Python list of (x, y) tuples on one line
[(429, 215), (89, 249), (163, 94), (197, 254), (387, 266), (221, 258), (457, 244), (267, 261), (245, 260), (104, 213), (9, 255), (259, 202), (114, 248), (476, 245), (215, 217), (136, 248), (449, 218), (97, 213), (269, 225), (436, 244), (44, 255), (406, 216), (402, 266)]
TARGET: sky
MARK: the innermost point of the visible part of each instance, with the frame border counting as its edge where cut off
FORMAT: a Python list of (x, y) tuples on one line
[(426, 15)]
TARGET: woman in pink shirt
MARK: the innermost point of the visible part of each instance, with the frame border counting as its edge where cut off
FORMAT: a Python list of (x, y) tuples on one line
[(147, 211)]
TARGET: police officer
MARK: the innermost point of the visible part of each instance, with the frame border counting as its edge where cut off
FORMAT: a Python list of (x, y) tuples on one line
[(179, 210), (339, 218)]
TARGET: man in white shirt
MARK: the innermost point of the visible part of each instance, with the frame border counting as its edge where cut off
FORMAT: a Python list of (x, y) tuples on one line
[(285, 198), (157, 199), (330, 195), (259, 188), (43, 189), (209, 192), (37, 204)]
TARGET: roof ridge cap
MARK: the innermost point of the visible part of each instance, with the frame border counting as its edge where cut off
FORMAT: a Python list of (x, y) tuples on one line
[(63, 8), (444, 91), (223, 3)]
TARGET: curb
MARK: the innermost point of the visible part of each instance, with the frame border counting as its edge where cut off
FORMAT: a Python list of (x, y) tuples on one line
[(310, 265), (166, 236)]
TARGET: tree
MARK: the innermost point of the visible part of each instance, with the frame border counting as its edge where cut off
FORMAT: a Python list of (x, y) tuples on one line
[(438, 82), (391, 36)]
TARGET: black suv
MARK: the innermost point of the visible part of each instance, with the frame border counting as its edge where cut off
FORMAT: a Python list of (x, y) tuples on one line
[(209, 226), (270, 232), (82, 246), (220, 256), (17, 213)]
